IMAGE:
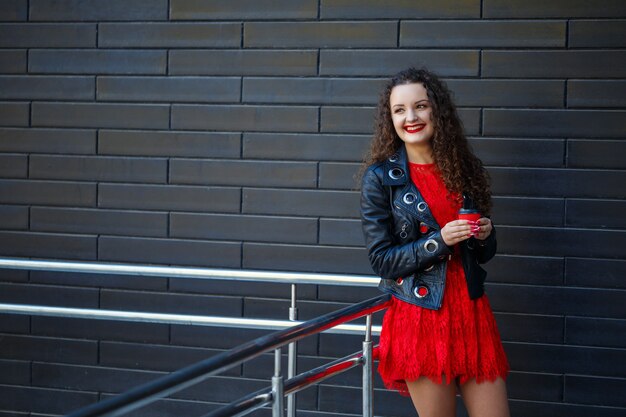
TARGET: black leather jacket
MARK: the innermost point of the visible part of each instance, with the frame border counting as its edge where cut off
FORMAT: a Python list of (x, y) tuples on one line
[(404, 241)]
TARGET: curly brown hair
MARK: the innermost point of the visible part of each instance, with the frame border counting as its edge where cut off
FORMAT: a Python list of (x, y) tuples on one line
[(461, 170)]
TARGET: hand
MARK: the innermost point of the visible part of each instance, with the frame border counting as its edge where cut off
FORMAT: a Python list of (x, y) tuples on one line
[(457, 231), (485, 228)]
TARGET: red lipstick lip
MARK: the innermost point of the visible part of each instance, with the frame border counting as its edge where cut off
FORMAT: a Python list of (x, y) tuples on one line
[(414, 128)]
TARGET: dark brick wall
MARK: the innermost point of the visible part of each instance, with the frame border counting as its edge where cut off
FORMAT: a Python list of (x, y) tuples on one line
[(227, 133)]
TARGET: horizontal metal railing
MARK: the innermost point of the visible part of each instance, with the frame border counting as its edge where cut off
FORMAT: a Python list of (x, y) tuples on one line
[(198, 372), (187, 272)]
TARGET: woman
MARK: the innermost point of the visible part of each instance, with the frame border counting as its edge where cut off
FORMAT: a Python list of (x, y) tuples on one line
[(439, 333)]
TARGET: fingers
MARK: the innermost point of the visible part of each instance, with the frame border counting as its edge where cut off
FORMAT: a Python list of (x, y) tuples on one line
[(457, 231), (484, 229)]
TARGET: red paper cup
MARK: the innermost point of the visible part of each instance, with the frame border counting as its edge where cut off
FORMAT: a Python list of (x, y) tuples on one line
[(469, 214)]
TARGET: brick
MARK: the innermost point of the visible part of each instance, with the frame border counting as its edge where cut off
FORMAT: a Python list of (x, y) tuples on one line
[(243, 173), (17, 293), (14, 114), (46, 88), (167, 197), (169, 251), (54, 401), (482, 34), (169, 89), (339, 175), (245, 118), (519, 152), (171, 303), (12, 61), (14, 372), (605, 273), (14, 323), (525, 211), (94, 10), (341, 232), (13, 217), (306, 258), (507, 93), (13, 10), (103, 115), (246, 228), (242, 62), (557, 182), (92, 61), (106, 222), (154, 357), (13, 166), (168, 144), (99, 280), (272, 308), (172, 35), (100, 329), (600, 154), (557, 8), (241, 288), (594, 390), (359, 9), (172, 407), (535, 386), (43, 35), (14, 275), (311, 90), (89, 378), (244, 9), (337, 400), (595, 332), (301, 202), (556, 300), (320, 34), (74, 141), (347, 294), (44, 245), (228, 338), (552, 64), (537, 408), (388, 62), (47, 349), (304, 146), (98, 168), (596, 93), (597, 33), (361, 119), (561, 242), (551, 123), (595, 213), (531, 328), (47, 192), (536, 270)]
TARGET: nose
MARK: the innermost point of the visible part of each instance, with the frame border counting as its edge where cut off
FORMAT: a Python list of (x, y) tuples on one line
[(411, 115)]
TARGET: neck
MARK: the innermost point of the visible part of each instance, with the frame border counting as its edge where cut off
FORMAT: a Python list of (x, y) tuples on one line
[(419, 154)]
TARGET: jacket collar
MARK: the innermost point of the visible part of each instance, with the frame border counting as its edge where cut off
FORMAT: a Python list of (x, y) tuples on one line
[(396, 168)]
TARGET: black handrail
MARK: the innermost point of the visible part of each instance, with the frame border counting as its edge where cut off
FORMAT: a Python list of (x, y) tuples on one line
[(193, 374)]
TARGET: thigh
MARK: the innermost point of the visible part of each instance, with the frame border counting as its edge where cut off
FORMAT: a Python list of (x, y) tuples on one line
[(487, 399), (431, 399)]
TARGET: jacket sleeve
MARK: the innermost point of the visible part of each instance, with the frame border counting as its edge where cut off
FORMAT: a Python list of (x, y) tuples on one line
[(388, 259), (486, 249)]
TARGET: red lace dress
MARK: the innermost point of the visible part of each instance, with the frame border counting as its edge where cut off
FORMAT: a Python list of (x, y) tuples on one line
[(461, 338)]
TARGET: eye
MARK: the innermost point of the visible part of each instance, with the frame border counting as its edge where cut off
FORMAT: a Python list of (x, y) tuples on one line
[(398, 110)]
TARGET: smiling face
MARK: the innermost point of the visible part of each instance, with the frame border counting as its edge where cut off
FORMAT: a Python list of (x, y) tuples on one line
[(411, 113)]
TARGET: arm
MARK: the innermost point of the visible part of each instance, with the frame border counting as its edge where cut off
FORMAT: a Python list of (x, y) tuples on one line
[(389, 259)]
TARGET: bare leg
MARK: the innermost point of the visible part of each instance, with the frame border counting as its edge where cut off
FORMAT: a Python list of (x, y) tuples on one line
[(487, 399), (431, 399)]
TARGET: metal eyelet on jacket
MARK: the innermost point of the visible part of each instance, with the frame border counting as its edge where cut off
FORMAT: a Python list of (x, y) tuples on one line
[(396, 173), (421, 291), (394, 158), (409, 198), (430, 268), (399, 281), (403, 233), (431, 246), (422, 206)]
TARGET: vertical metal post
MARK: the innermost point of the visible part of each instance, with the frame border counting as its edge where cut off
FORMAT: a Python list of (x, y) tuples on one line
[(278, 387), (293, 355), (368, 368)]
